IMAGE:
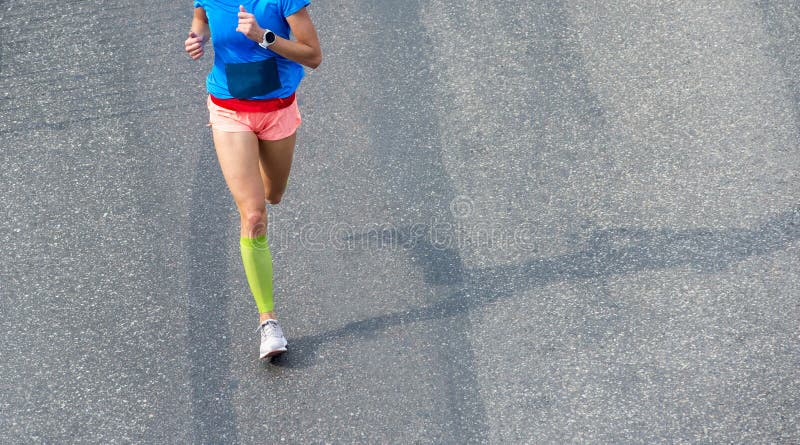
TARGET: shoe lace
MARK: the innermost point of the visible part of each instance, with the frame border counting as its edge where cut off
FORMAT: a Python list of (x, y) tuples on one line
[(269, 329)]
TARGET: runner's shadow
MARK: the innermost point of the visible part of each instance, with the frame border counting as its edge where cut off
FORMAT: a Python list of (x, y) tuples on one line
[(606, 253)]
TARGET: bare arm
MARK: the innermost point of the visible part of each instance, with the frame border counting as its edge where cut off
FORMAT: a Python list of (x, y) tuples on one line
[(198, 35), (305, 50)]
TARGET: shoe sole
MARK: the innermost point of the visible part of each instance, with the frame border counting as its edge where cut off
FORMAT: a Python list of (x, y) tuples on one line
[(273, 353)]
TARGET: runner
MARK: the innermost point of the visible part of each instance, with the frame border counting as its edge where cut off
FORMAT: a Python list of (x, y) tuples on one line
[(254, 117)]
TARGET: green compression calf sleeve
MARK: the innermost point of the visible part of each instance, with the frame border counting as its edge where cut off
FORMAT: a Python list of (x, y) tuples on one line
[(258, 268)]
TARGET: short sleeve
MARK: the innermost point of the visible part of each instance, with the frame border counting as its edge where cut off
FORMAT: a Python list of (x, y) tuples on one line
[(198, 4), (289, 7)]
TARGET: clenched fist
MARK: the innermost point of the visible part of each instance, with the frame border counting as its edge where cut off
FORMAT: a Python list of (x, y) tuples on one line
[(194, 46), (249, 26)]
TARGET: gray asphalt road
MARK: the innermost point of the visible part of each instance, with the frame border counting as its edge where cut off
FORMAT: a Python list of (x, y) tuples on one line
[(508, 222)]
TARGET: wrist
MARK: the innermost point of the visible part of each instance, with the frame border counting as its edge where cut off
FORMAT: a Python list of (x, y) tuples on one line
[(203, 38), (267, 38), (255, 34)]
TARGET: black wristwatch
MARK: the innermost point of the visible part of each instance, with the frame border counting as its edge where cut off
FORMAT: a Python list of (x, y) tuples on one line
[(269, 39)]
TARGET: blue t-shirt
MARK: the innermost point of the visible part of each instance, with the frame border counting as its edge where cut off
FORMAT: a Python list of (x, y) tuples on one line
[(231, 46)]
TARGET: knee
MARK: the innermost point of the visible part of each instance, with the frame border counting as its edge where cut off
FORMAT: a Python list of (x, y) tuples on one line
[(254, 220)]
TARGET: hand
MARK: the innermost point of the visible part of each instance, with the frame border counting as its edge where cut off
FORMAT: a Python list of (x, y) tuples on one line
[(194, 46), (249, 26)]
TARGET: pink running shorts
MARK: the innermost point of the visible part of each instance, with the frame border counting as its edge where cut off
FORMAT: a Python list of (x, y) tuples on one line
[(268, 126)]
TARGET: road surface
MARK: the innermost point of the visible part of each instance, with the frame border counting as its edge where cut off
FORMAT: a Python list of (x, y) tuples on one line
[(507, 223)]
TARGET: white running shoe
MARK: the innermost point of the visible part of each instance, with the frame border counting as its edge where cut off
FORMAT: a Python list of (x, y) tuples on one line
[(272, 340)]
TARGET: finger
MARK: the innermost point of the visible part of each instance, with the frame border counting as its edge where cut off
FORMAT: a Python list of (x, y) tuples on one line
[(241, 9)]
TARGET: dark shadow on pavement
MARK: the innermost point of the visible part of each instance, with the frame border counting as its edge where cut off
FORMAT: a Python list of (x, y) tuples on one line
[(608, 253), (781, 20), (213, 414)]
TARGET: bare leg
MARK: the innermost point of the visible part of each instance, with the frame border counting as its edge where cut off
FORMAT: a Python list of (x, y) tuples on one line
[(276, 163), (238, 155)]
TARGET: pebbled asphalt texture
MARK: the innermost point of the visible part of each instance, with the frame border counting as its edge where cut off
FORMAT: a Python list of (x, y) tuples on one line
[(539, 222)]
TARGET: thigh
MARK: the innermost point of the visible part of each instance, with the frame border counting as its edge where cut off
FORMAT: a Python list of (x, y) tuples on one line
[(238, 154), (276, 163)]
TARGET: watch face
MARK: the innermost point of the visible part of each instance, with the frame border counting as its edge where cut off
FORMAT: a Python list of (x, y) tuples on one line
[(270, 37)]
